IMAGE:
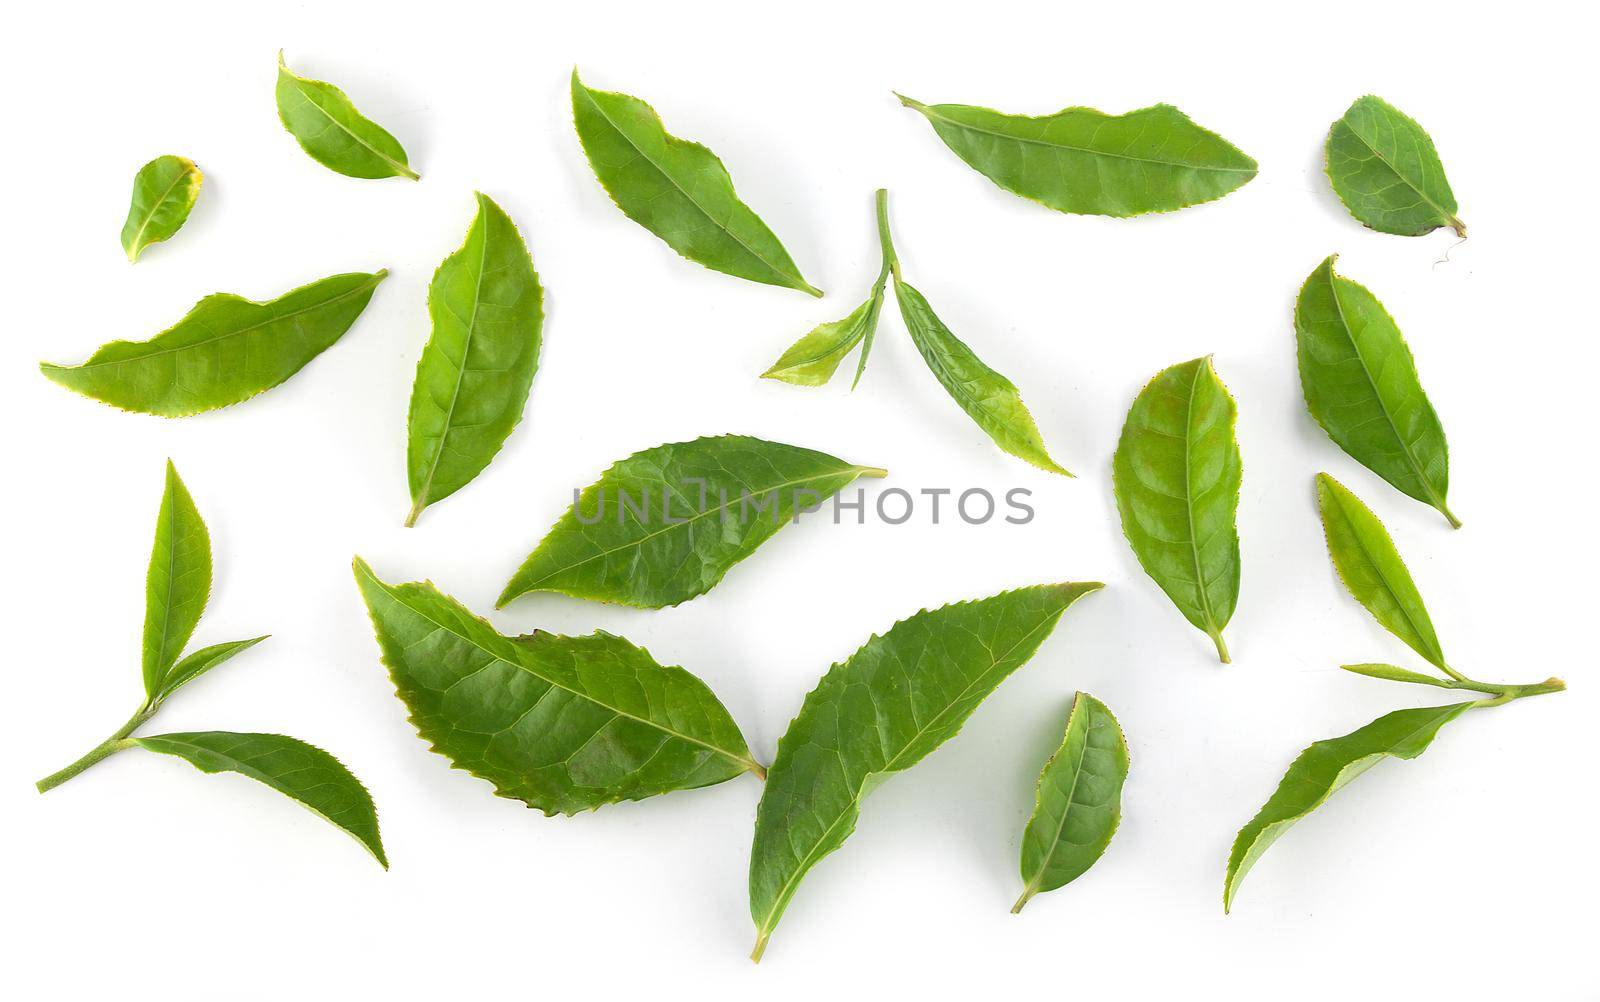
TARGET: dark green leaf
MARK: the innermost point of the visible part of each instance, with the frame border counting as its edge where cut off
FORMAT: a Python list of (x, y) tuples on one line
[(1384, 169), (295, 769), (1361, 385), (1176, 476), (1081, 160), (563, 724), (164, 191), (472, 381), (878, 713), (1325, 767), (206, 658), (333, 133), (677, 189), (225, 350), (1079, 802), (177, 584), (665, 524), (1370, 566)]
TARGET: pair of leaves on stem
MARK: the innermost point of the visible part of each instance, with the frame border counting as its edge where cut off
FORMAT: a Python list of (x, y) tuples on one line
[(1370, 566), (990, 399), (1383, 167), (1176, 476), (664, 525), (225, 350), (1360, 384), (677, 190), (176, 589), (333, 133), (472, 381), (164, 191)]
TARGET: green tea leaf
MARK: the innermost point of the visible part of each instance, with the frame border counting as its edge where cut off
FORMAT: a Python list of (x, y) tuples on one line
[(1394, 673), (206, 658), (473, 379), (990, 399), (177, 584), (164, 191), (1176, 476), (812, 360), (295, 769), (1384, 169), (1080, 160), (1371, 568), (1324, 768), (1361, 385), (563, 724), (226, 349), (677, 189), (1079, 802), (333, 133), (665, 524), (878, 713)]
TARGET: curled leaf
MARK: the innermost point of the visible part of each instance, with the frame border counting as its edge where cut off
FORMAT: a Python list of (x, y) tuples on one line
[(164, 191), (812, 360)]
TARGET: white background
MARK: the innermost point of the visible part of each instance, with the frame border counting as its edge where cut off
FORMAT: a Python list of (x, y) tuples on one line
[(1469, 874)]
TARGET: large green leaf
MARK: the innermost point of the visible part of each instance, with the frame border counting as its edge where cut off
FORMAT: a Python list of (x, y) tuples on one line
[(164, 191), (226, 349), (333, 133), (1079, 803), (1324, 768), (177, 584), (990, 399), (1371, 568), (472, 381), (1176, 476), (1361, 385), (1081, 160), (1385, 170), (295, 769), (665, 524), (878, 713), (563, 724), (677, 189)]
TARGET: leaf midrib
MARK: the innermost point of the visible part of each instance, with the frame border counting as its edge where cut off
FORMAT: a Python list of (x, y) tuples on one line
[(1188, 504), (932, 112), (1037, 880)]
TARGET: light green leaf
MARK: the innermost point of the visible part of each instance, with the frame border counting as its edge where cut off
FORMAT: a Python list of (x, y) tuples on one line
[(164, 191), (1081, 160), (990, 399), (1361, 385), (1385, 170), (226, 349), (1394, 673), (563, 724), (333, 133), (473, 379), (1323, 769), (1079, 803), (1371, 568), (295, 769), (677, 190), (665, 524), (177, 584), (1176, 476), (206, 658), (880, 712), (812, 360)]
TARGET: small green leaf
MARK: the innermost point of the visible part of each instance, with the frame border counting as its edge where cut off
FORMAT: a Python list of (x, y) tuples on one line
[(1361, 385), (1371, 568), (665, 524), (677, 190), (880, 712), (295, 769), (164, 191), (177, 584), (1176, 476), (1080, 160), (990, 399), (206, 658), (1079, 802), (1324, 768), (1394, 673), (812, 360), (226, 349), (563, 724), (1384, 169), (473, 379), (333, 133)]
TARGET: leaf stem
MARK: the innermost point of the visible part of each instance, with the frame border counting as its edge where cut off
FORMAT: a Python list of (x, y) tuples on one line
[(1222, 648), (108, 747), (1027, 895), (891, 261), (1498, 693), (1450, 516), (760, 948)]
